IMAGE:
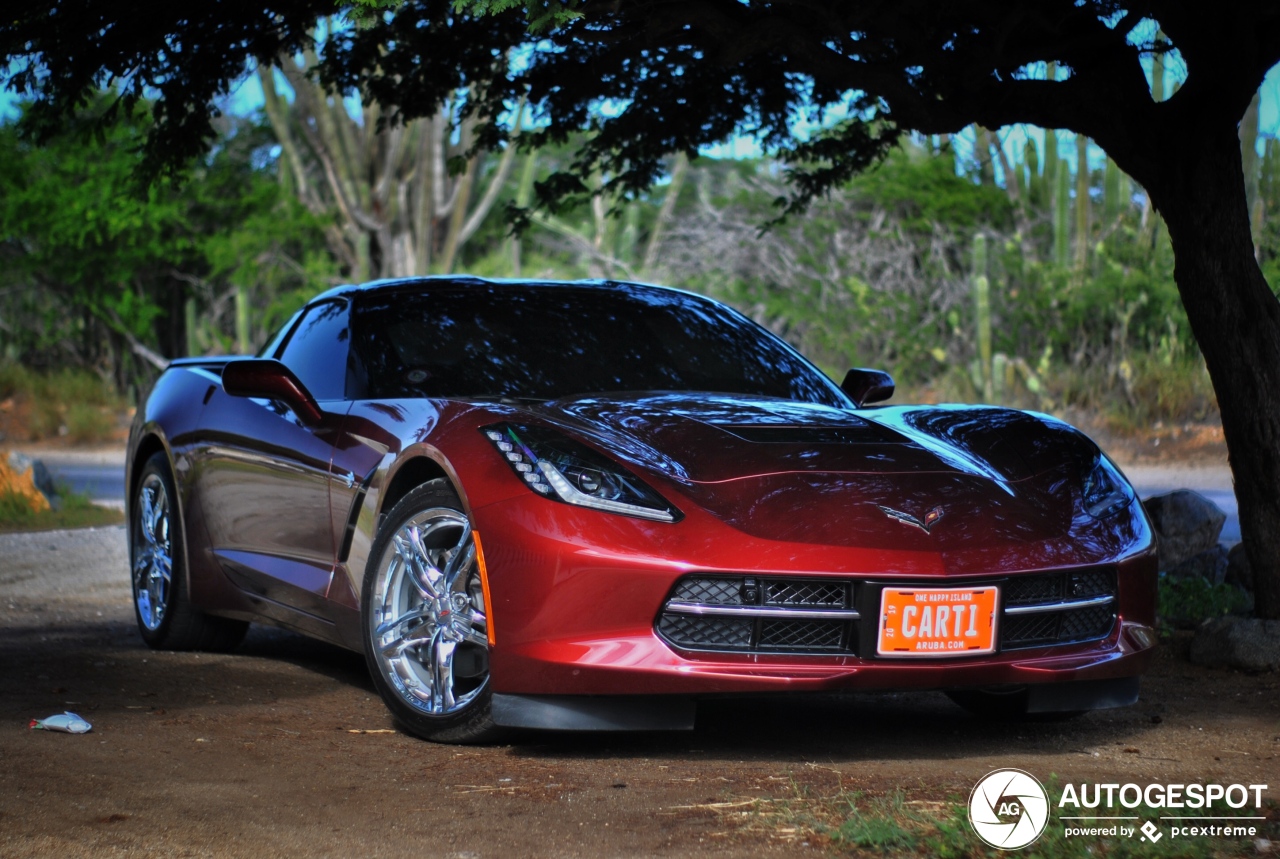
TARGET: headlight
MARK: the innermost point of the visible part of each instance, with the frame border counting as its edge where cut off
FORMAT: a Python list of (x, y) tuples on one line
[(1105, 491), (564, 470)]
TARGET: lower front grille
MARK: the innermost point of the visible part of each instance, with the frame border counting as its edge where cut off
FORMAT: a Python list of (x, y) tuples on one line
[(1067, 608), (759, 614), (1055, 587), (830, 594), (710, 591), (811, 635), (715, 633), (753, 614), (1058, 627)]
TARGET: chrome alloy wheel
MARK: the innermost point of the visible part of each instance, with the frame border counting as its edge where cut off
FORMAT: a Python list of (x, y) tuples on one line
[(153, 552), (428, 621)]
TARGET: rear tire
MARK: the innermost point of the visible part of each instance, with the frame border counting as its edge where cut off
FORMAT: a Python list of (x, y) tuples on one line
[(158, 561), (424, 619)]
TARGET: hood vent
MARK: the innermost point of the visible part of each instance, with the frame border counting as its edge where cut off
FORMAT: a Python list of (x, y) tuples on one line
[(766, 434)]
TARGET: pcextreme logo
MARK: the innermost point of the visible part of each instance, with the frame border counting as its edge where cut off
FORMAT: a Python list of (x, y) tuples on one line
[(1008, 808)]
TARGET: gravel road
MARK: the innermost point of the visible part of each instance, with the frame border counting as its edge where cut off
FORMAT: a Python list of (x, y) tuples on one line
[(282, 748)]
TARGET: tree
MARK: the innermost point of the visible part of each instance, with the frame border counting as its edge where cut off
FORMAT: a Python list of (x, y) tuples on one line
[(678, 74), (93, 263), (97, 274), (399, 208)]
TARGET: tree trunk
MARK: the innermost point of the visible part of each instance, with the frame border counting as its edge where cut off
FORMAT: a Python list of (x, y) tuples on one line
[(665, 212), (1236, 320), (462, 199), (1250, 163), (524, 191)]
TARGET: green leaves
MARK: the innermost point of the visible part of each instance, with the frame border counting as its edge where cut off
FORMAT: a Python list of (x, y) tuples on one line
[(97, 265), (541, 16), (368, 13)]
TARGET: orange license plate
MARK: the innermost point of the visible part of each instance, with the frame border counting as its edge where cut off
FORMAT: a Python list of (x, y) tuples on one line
[(938, 621)]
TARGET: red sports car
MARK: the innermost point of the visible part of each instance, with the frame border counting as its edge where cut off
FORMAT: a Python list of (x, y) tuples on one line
[(589, 505)]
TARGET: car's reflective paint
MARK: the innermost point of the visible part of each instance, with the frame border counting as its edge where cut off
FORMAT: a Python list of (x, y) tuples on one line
[(280, 514)]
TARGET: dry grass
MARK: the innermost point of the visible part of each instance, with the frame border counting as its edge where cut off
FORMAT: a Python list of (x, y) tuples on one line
[(75, 405)]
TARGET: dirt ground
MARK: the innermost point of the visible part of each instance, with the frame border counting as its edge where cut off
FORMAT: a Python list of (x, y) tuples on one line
[(283, 748)]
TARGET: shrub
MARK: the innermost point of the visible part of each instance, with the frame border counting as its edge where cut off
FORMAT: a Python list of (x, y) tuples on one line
[(1187, 603)]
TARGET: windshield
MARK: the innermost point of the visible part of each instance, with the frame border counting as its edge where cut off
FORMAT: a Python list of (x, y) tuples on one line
[(545, 341)]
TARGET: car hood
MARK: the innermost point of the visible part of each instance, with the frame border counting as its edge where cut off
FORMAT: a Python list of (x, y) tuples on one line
[(936, 477), (715, 438)]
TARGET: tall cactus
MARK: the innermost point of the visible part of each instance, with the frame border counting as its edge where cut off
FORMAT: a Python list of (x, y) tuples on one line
[(1061, 216), (244, 344), (1051, 166), (982, 315), (983, 153), (1082, 202), (1113, 182), (1051, 152), (1035, 185)]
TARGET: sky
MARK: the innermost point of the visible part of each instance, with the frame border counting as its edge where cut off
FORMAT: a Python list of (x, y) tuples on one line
[(1014, 137), (247, 98)]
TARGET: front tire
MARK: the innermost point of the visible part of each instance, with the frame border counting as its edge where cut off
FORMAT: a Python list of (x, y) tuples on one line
[(424, 619), (157, 558)]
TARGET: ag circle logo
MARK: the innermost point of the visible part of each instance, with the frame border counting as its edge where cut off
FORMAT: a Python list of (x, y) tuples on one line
[(1008, 809)]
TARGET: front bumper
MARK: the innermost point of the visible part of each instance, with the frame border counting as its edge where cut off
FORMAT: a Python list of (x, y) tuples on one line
[(679, 713), (576, 594)]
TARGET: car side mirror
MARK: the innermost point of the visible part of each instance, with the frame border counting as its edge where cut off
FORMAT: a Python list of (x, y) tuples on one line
[(271, 380), (867, 386)]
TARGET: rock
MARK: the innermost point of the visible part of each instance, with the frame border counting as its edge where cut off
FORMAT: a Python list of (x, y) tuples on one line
[(39, 473), (1246, 643), (44, 480), (1210, 565), (1239, 572), (21, 482), (1187, 524)]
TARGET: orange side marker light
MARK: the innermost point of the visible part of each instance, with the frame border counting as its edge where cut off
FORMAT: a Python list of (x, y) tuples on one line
[(484, 588)]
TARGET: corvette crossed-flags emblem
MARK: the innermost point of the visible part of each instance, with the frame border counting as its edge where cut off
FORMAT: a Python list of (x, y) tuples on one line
[(931, 518)]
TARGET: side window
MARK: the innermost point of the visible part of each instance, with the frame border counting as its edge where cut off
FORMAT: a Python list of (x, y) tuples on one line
[(317, 349)]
